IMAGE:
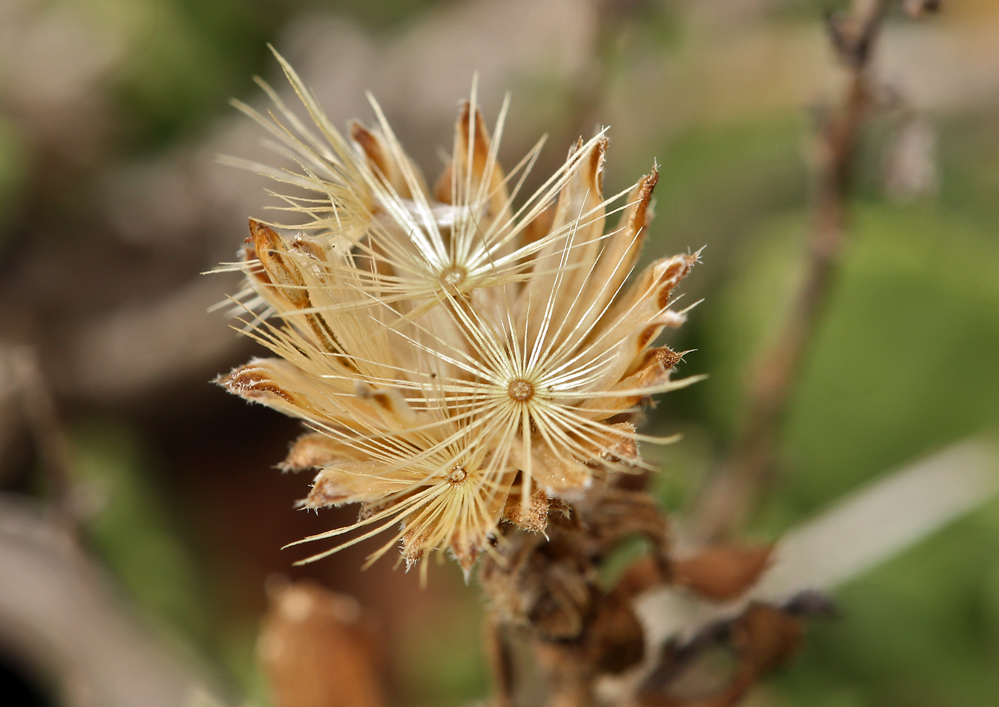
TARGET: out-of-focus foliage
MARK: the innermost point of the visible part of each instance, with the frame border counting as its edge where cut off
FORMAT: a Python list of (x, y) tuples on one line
[(724, 95), (132, 527)]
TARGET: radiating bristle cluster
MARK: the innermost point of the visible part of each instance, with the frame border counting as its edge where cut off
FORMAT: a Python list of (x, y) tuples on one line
[(463, 356)]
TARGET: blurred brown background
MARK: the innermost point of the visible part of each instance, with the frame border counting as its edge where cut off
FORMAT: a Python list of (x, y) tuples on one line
[(112, 115)]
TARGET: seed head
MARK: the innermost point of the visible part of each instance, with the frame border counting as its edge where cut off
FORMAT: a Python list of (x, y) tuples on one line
[(462, 355)]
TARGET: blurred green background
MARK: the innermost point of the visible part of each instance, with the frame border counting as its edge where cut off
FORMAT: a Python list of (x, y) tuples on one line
[(112, 113)]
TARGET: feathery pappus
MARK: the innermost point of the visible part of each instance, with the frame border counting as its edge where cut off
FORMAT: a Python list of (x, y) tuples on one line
[(463, 355)]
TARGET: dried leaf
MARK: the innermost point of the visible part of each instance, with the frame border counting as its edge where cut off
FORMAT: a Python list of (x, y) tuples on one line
[(318, 649), (766, 637), (722, 572)]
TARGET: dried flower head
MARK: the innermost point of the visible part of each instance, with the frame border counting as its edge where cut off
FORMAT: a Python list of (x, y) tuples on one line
[(461, 355)]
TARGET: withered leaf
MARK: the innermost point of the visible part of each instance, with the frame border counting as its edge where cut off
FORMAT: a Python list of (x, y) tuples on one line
[(318, 649), (722, 572)]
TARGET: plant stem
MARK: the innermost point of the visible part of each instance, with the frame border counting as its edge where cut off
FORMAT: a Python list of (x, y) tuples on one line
[(733, 491)]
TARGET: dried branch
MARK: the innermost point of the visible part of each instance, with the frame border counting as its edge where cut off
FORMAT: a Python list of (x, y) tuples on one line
[(589, 87), (732, 492), (138, 347), (21, 375)]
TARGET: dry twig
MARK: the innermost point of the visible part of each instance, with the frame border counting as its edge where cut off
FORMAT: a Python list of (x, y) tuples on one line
[(730, 495), (22, 376)]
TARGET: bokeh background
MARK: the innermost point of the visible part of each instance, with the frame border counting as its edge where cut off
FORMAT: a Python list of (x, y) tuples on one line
[(112, 115)]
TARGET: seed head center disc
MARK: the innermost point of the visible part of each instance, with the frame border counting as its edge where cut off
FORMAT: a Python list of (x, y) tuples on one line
[(458, 474), (452, 278), (521, 390)]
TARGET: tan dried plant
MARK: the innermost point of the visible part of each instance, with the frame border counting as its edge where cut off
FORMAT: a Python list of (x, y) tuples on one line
[(463, 357)]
